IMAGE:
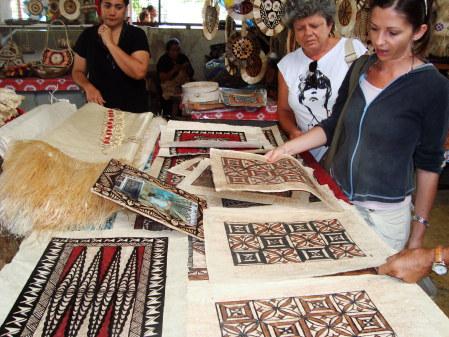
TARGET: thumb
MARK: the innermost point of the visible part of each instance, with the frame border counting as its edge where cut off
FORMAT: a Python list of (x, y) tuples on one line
[(385, 269)]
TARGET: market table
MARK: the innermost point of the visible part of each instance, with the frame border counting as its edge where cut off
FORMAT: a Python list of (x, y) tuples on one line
[(37, 90)]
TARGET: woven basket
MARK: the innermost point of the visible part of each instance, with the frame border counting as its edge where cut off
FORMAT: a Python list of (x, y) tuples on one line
[(44, 71)]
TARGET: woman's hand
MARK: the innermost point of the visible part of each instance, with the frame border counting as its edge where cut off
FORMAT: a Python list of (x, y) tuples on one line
[(94, 95), (276, 154), (105, 34)]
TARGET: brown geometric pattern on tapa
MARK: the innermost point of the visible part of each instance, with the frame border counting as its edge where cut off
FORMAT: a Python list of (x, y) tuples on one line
[(195, 272), (252, 172), (165, 175), (93, 287), (348, 314), (293, 242)]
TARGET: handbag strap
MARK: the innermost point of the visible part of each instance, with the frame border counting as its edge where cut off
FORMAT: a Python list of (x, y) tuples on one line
[(353, 82), (66, 33)]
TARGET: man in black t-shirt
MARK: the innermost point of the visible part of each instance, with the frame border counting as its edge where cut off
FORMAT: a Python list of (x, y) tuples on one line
[(111, 61)]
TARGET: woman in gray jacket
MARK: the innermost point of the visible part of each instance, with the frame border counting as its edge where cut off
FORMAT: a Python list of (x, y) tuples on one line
[(393, 127)]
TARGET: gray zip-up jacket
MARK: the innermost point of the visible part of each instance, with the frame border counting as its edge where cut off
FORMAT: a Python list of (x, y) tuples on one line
[(403, 128)]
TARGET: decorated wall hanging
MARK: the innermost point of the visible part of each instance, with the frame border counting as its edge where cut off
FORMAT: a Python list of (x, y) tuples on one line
[(242, 46), (268, 15), (346, 17), (255, 68), (70, 9), (211, 15), (35, 9), (240, 9)]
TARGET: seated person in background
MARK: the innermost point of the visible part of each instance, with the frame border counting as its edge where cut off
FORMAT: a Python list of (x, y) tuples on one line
[(309, 77), (144, 16), (112, 59), (173, 70), (152, 18)]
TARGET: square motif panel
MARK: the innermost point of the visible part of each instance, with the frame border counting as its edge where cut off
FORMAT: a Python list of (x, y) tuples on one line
[(270, 243), (254, 172), (304, 316)]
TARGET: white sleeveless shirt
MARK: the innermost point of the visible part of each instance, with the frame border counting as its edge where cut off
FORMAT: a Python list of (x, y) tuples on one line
[(312, 105)]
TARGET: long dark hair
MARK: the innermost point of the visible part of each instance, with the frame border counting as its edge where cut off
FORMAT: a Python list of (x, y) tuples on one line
[(417, 13)]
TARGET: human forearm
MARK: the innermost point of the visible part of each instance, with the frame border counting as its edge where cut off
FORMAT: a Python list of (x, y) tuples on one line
[(81, 79), (426, 188), (287, 122), (132, 67), (309, 140)]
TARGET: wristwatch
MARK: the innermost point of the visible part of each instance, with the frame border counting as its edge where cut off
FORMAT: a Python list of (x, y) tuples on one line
[(438, 266)]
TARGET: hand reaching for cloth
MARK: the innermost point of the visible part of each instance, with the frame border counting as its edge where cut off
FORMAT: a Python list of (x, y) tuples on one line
[(409, 265)]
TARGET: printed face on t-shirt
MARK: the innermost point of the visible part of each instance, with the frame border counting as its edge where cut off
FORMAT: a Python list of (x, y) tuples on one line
[(314, 93)]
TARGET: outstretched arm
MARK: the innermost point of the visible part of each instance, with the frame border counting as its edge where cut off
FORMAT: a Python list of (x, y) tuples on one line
[(79, 72)]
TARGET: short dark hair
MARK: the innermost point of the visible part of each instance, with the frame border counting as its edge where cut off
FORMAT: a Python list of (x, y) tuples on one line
[(417, 13), (172, 42), (150, 8), (300, 9), (125, 1)]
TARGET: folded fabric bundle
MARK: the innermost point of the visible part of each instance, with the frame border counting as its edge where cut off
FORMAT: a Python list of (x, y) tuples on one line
[(196, 134), (45, 184)]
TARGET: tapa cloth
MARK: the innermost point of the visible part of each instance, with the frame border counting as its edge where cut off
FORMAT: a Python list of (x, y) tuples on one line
[(200, 182), (280, 244), (45, 184), (196, 134), (35, 122), (84, 136), (153, 299), (329, 306), (238, 171)]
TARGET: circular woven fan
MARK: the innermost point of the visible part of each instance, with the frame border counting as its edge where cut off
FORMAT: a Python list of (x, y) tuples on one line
[(346, 15), (211, 14), (255, 68), (240, 9), (70, 9), (361, 25), (268, 16), (240, 48), (35, 9)]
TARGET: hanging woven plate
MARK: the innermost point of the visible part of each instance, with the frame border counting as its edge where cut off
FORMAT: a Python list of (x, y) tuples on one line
[(211, 17), (240, 48), (255, 68), (35, 9), (70, 9), (239, 9), (346, 15), (268, 15)]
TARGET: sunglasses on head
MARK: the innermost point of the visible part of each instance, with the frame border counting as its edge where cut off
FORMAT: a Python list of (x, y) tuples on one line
[(312, 76)]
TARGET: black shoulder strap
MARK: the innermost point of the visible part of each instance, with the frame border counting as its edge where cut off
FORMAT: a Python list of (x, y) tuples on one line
[(353, 82)]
